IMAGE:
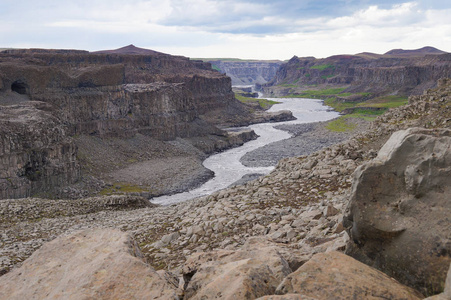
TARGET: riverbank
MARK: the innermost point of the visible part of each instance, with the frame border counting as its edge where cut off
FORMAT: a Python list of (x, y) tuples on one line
[(208, 222), (307, 138)]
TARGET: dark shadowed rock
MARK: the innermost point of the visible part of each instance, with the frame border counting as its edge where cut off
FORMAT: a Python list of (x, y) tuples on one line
[(334, 275), (91, 264), (399, 213), (446, 295)]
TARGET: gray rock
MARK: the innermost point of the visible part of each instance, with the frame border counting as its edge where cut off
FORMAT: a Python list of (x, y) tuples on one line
[(398, 215), (168, 238)]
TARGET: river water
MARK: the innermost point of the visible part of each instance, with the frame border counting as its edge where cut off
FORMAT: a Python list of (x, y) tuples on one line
[(227, 166)]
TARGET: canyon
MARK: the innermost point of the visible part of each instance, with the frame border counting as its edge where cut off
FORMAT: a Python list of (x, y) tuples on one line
[(68, 114), (247, 72), (363, 218)]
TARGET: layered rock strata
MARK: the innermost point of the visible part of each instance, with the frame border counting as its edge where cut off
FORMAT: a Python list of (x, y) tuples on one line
[(107, 95), (36, 153), (364, 75), (247, 72)]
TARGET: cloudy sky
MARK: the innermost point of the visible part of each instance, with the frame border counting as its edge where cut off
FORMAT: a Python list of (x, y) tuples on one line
[(265, 29)]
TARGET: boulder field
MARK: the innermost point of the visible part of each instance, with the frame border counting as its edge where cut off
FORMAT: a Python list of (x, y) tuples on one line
[(365, 219)]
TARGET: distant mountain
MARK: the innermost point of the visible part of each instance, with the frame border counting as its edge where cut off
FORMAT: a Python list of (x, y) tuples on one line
[(130, 49), (369, 55), (417, 52)]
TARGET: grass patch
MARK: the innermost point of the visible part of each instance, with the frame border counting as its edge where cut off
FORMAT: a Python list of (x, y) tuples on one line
[(366, 114), (215, 67), (322, 67), (263, 103), (390, 101), (122, 188), (369, 112), (340, 125)]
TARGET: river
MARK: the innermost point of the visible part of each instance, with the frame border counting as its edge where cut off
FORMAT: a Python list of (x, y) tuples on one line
[(227, 166)]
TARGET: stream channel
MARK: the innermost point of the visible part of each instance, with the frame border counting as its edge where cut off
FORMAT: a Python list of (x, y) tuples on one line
[(227, 166)]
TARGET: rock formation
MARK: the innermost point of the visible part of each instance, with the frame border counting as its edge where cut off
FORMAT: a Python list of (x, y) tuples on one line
[(391, 73), (400, 206), (93, 264), (334, 275), (296, 212), (35, 151), (107, 264), (114, 94), (244, 72)]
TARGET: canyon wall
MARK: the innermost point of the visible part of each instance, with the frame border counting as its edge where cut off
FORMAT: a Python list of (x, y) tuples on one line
[(248, 72), (377, 75), (35, 152), (109, 95)]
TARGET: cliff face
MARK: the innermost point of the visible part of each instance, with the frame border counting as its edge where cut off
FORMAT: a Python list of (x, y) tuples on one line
[(378, 75), (109, 94), (35, 152), (248, 72), (101, 94)]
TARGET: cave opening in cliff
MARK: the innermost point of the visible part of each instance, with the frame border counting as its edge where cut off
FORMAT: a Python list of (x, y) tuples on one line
[(19, 87)]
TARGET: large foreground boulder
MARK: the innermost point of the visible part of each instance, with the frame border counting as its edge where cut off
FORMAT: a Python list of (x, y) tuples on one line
[(399, 215), (253, 271), (334, 275), (92, 264)]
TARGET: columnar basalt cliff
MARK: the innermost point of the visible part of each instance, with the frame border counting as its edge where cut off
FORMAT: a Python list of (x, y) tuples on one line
[(244, 72), (107, 94), (400, 72), (35, 152)]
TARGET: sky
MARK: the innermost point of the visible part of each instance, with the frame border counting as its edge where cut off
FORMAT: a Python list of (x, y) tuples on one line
[(248, 29)]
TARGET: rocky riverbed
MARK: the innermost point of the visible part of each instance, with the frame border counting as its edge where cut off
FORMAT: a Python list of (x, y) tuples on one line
[(307, 138)]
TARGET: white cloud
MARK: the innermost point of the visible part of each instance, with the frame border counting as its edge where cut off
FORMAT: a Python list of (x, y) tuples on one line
[(238, 28), (401, 14)]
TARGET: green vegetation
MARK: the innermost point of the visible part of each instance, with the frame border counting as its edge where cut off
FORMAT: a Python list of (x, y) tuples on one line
[(338, 105), (263, 103), (323, 67), (340, 125), (362, 110), (215, 67), (390, 101), (122, 188)]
